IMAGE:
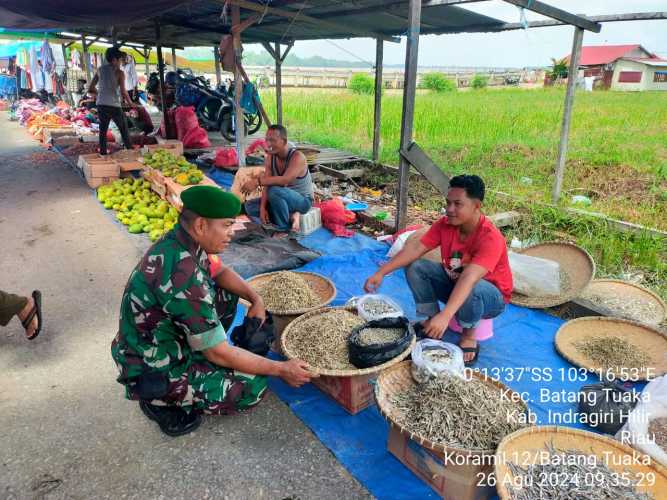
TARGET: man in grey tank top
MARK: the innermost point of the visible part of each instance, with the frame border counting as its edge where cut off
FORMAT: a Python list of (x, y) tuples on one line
[(109, 86), (288, 184)]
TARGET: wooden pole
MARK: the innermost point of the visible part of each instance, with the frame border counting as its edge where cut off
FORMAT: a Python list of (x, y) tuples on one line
[(377, 117), (218, 71), (86, 60), (147, 56), (567, 112), (407, 116), (238, 85), (173, 58), (160, 72), (279, 86)]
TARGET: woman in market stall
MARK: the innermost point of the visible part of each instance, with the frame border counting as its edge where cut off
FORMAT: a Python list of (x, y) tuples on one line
[(109, 86)]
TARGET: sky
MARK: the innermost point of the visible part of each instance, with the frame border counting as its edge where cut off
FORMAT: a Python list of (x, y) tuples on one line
[(534, 47)]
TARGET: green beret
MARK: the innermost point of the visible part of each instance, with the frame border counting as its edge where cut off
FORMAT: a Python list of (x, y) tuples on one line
[(211, 202)]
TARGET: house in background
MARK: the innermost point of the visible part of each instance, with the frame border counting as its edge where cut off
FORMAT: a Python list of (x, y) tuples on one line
[(623, 67)]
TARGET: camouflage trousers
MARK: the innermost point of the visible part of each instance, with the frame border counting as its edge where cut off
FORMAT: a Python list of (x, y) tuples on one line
[(210, 389)]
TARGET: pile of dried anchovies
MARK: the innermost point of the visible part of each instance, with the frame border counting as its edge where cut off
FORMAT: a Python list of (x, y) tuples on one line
[(638, 309), (321, 340), (613, 352), (376, 307), (287, 291), (379, 336), (456, 412), (657, 430), (571, 475)]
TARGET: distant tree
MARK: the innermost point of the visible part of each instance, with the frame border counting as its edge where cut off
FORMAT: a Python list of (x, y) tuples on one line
[(479, 82), (437, 82), (558, 69), (361, 83)]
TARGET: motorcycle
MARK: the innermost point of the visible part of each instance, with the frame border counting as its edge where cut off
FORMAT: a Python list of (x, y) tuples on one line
[(215, 107)]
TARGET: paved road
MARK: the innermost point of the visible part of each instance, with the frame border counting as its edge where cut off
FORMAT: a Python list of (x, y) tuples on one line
[(66, 430)]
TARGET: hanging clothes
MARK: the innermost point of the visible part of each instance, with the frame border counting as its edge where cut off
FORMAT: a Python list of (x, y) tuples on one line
[(47, 58), (35, 71), (75, 59), (131, 77)]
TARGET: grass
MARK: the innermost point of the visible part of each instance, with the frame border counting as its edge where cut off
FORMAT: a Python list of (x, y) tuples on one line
[(618, 149), (618, 145)]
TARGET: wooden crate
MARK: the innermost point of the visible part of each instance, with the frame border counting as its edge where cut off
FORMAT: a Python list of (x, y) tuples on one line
[(173, 146), (174, 190), (455, 477)]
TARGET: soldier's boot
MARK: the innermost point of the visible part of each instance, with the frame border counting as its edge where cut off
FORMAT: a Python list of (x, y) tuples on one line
[(173, 421)]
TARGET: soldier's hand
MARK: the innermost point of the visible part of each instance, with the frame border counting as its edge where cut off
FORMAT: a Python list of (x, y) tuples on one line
[(258, 311), (295, 372)]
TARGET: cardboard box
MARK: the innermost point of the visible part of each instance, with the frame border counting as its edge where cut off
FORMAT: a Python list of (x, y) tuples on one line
[(173, 146), (450, 477), (126, 155), (50, 133), (352, 393), (130, 166), (101, 169), (95, 182)]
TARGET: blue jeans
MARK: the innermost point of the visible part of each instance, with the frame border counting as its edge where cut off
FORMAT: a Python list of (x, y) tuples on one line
[(283, 202), (430, 283)]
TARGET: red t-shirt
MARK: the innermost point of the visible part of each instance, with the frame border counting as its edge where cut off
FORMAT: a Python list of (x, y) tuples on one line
[(485, 247)]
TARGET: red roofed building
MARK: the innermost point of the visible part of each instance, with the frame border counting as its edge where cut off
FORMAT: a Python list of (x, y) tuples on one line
[(623, 67)]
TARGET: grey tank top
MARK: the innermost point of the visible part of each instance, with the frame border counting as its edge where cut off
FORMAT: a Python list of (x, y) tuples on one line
[(108, 89), (302, 185)]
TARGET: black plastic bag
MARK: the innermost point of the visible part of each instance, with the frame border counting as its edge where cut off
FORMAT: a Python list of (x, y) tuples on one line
[(365, 356), (254, 336), (606, 406)]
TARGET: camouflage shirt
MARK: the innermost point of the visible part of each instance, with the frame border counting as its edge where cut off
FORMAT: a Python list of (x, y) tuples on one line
[(168, 314)]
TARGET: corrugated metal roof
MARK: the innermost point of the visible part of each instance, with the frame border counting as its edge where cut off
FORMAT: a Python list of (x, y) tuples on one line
[(202, 22), (594, 55), (648, 62)]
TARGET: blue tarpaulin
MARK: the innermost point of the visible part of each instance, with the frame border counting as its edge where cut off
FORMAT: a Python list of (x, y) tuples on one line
[(521, 354)]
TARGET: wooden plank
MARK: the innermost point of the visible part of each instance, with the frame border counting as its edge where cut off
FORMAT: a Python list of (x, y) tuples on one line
[(567, 112), (238, 85), (407, 115), (173, 59), (340, 174), (216, 61), (279, 85), (160, 70), (264, 9), (377, 113), (559, 14), (425, 166), (147, 54)]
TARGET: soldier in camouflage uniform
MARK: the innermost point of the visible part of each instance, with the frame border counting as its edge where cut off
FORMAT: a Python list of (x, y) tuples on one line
[(171, 348)]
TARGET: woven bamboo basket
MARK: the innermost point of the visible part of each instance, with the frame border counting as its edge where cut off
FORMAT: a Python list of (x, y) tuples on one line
[(323, 287), (649, 340), (610, 293), (574, 261), (524, 446), (398, 378), (289, 353)]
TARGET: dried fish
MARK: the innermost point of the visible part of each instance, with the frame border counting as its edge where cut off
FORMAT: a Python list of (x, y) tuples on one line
[(613, 352), (321, 340), (379, 336), (452, 411), (377, 307), (571, 474), (635, 308), (287, 291), (657, 430)]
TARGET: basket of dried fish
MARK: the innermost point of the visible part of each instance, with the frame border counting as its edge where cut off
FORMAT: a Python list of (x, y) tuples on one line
[(289, 294), (626, 300), (320, 338), (560, 462), (577, 269), (613, 347), (467, 416), (379, 341)]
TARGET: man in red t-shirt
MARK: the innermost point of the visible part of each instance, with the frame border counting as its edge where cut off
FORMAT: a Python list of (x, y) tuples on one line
[(474, 279)]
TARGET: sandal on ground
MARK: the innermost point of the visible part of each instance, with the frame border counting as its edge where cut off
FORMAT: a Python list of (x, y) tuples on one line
[(173, 421), (471, 349), (35, 311)]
